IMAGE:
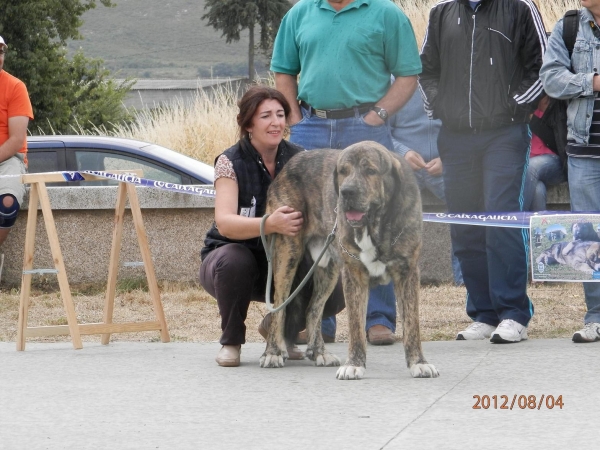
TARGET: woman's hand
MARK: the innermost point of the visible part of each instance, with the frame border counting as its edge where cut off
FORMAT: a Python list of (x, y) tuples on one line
[(284, 220), (434, 167), (415, 160)]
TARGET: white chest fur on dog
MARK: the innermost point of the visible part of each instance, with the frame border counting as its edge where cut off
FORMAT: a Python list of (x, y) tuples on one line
[(315, 247), (368, 254)]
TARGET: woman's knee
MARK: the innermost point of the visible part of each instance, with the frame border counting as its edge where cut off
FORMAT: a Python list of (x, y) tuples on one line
[(236, 258), (227, 264)]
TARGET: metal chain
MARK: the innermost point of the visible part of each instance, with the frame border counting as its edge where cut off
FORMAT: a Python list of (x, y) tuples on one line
[(356, 257), (395, 240), (347, 252)]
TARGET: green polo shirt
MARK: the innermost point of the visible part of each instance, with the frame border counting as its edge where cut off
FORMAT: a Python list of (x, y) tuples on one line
[(345, 57)]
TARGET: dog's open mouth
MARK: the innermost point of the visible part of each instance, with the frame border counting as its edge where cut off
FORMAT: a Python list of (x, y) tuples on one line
[(355, 217)]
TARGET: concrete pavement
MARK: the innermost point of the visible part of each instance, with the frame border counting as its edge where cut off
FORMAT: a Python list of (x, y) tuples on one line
[(174, 396)]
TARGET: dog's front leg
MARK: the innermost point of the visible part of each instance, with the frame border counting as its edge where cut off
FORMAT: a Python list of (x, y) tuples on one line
[(356, 293), (407, 296)]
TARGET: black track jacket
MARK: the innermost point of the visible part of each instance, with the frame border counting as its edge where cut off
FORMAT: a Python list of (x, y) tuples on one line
[(480, 68)]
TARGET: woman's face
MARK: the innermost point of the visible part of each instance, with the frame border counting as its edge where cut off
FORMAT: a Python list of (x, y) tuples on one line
[(268, 125)]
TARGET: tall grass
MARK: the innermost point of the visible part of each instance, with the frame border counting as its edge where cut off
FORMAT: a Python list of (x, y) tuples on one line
[(201, 127), (206, 126)]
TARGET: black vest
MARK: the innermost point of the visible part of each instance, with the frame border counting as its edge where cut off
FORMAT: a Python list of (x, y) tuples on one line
[(253, 182)]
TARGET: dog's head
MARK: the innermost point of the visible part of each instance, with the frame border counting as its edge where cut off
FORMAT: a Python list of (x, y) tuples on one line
[(366, 177), (592, 255), (583, 231)]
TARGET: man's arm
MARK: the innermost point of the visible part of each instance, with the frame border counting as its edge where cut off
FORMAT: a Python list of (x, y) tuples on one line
[(397, 95), (17, 133), (531, 54), (556, 75), (429, 77), (288, 86)]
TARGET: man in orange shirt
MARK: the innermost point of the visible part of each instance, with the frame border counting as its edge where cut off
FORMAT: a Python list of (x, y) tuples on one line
[(15, 113)]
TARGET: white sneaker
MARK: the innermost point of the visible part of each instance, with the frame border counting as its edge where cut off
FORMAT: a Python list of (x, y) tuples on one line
[(475, 331), (509, 331), (589, 333)]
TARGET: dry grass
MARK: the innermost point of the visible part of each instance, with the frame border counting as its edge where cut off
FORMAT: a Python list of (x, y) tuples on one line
[(192, 315), (201, 128)]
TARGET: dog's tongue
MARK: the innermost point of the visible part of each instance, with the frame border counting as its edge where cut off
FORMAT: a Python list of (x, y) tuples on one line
[(354, 215)]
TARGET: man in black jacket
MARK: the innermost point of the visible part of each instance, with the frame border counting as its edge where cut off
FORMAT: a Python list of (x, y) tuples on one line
[(481, 61)]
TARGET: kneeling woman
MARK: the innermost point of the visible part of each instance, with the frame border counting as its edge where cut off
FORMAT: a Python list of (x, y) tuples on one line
[(234, 264)]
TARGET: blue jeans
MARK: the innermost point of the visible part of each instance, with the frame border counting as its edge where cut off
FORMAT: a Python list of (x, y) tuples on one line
[(435, 185), (313, 132), (484, 171), (543, 170), (584, 187)]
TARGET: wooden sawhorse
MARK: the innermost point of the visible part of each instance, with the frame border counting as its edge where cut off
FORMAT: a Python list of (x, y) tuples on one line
[(39, 192)]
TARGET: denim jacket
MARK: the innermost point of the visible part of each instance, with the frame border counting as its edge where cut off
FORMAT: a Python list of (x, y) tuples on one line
[(559, 82), (412, 129)]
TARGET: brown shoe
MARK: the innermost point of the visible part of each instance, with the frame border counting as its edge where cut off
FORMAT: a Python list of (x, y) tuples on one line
[(229, 356), (302, 338), (380, 335), (295, 354), (264, 325)]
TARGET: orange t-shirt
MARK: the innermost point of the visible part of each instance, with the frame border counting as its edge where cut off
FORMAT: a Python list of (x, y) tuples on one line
[(14, 101)]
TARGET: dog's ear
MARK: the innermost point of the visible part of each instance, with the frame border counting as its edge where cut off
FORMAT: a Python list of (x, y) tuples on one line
[(336, 187), (397, 172)]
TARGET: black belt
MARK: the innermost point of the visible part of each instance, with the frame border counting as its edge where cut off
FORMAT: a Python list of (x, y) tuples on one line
[(337, 113)]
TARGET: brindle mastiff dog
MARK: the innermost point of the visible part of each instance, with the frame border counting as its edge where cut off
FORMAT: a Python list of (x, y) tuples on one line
[(374, 197), (581, 255)]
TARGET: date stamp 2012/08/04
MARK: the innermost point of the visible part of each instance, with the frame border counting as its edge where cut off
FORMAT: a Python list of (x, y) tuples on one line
[(518, 401)]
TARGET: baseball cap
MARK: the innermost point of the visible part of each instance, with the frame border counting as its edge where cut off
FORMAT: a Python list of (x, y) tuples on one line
[(2, 43)]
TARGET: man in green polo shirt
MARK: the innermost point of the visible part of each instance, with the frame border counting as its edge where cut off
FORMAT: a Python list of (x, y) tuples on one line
[(345, 52)]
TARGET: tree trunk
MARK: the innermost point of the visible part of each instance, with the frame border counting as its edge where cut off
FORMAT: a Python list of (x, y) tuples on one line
[(251, 54)]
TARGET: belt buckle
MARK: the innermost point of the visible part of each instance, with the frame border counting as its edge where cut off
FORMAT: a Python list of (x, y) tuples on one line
[(321, 113)]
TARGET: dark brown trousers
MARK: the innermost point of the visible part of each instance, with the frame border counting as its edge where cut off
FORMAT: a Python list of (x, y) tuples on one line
[(235, 276)]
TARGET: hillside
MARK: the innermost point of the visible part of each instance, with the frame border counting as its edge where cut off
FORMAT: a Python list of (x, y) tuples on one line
[(161, 39)]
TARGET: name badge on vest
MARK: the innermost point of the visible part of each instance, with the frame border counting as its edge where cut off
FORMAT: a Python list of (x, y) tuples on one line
[(249, 212)]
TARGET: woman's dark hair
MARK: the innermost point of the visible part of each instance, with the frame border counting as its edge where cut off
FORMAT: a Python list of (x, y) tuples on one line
[(249, 103)]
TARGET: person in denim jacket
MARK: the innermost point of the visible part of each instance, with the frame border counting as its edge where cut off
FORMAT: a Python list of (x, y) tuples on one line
[(576, 79)]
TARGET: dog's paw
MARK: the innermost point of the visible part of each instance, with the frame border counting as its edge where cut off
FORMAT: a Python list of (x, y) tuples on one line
[(268, 360), (327, 360), (350, 373), (424, 371)]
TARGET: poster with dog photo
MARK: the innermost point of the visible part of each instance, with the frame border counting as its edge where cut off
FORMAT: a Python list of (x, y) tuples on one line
[(565, 247)]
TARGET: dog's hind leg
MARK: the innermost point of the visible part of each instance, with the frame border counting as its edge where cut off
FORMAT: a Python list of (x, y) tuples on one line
[(407, 296), (356, 293), (323, 282), (287, 255)]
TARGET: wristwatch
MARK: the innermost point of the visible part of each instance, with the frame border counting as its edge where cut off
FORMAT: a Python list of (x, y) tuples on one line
[(381, 113)]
